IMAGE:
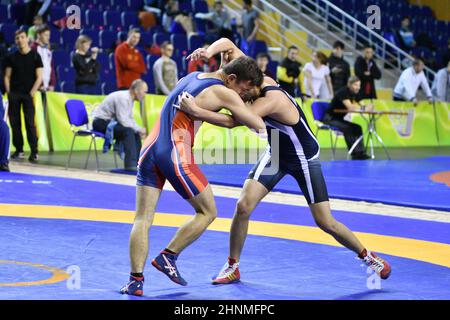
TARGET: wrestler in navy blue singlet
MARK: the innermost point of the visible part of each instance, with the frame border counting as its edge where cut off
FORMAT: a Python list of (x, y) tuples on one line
[(298, 155)]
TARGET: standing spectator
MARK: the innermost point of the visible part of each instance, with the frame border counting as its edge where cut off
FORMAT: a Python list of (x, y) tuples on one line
[(317, 81), (262, 60), (86, 66), (221, 19), (367, 71), (203, 65), (37, 22), (42, 46), (118, 107), (347, 99), (165, 70), (129, 62), (250, 26), (340, 69), (441, 84), (4, 138), (23, 77), (405, 36), (36, 7), (409, 81), (288, 71)]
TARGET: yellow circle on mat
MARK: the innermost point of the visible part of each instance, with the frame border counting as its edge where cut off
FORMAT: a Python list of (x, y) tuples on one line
[(422, 250), (58, 275)]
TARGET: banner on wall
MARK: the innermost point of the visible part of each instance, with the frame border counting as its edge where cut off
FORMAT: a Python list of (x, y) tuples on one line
[(423, 125), (61, 130)]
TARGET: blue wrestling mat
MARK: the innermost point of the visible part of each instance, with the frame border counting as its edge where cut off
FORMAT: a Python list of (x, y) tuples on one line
[(58, 235), (396, 182)]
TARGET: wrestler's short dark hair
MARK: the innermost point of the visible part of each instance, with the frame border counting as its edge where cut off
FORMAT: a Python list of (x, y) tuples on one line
[(245, 69)]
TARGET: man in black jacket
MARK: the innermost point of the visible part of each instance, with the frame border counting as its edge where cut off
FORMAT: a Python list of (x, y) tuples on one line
[(346, 98), (340, 69), (367, 71), (289, 70)]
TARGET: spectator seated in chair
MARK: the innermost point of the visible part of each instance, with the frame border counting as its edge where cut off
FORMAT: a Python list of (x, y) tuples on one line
[(118, 107)]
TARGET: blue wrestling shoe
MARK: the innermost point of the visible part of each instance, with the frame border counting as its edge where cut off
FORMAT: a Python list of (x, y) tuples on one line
[(134, 287), (165, 262)]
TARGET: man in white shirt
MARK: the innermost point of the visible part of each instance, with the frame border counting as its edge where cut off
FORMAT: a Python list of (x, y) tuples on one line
[(441, 84), (409, 81), (42, 46), (118, 106)]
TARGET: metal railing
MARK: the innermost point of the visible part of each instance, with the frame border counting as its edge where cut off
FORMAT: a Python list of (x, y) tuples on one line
[(339, 25), (283, 26)]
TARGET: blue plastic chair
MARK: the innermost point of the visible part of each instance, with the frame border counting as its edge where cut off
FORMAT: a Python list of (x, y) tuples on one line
[(107, 39), (128, 18), (148, 78), (103, 4), (121, 36), (68, 38), (256, 47), (94, 18), (109, 86), (200, 6), (112, 20), (195, 41), (146, 39), (61, 58), (185, 5), (150, 61), (77, 115), (135, 5), (65, 73), (319, 109), (180, 44), (68, 86), (160, 37), (8, 30), (102, 58), (3, 12)]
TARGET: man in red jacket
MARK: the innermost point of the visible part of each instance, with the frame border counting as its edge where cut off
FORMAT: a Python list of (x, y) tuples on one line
[(129, 61)]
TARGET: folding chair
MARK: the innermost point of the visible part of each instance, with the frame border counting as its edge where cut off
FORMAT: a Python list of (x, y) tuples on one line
[(319, 109), (77, 115)]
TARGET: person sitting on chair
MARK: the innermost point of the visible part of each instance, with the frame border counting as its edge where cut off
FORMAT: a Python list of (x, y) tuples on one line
[(118, 106), (347, 99)]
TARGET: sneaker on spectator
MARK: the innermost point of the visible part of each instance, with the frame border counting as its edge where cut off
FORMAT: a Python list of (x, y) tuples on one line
[(33, 158), (18, 155)]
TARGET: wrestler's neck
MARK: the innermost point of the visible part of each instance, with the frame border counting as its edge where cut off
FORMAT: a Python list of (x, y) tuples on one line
[(219, 74)]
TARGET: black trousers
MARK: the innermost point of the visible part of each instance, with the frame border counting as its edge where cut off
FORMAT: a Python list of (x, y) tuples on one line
[(352, 132), (130, 139), (17, 101)]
